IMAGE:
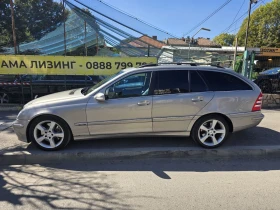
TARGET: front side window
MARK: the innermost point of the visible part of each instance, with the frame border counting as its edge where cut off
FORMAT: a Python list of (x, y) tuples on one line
[(106, 79), (131, 86), (171, 82), (219, 81)]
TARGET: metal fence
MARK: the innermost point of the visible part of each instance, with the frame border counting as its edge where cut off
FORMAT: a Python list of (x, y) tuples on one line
[(20, 89)]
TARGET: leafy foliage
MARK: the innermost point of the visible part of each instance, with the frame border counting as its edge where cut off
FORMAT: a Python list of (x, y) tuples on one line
[(33, 19), (224, 39), (264, 27)]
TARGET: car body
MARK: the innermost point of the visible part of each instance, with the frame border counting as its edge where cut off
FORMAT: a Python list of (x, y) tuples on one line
[(165, 100), (269, 80), (23, 88)]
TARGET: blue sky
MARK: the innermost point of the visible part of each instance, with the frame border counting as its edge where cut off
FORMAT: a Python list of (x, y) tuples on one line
[(179, 16)]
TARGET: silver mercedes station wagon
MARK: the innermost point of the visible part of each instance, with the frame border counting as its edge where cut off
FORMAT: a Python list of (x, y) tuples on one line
[(206, 103)]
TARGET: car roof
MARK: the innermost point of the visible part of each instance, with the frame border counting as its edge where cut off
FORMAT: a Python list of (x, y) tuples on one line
[(177, 67)]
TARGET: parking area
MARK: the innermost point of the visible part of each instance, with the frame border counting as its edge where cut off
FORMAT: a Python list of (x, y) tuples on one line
[(266, 135)]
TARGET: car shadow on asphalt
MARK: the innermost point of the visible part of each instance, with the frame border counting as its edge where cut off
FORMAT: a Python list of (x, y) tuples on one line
[(258, 136)]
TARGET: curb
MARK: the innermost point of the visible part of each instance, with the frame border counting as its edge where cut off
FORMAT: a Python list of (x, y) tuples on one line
[(40, 157)]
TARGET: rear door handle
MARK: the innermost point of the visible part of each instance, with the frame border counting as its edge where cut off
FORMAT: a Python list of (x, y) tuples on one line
[(197, 99), (143, 103)]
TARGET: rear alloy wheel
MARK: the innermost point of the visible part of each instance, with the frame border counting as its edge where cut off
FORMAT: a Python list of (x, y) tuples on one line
[(49, 133), (4, 97), (210, 131)]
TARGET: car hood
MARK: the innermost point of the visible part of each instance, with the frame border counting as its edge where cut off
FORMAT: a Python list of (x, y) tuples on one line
[(59, 97)]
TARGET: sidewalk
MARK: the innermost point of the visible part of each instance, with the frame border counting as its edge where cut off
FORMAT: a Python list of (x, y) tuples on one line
[(262, 140)]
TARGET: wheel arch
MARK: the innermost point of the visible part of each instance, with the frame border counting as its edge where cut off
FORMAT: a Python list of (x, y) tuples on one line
[(41, 115)]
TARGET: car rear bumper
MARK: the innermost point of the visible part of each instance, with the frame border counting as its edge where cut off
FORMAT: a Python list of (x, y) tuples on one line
[(20, 127), (245, 120)]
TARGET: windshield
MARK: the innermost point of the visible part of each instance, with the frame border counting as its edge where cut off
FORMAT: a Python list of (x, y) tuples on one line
[(272, 71), (90, 89)]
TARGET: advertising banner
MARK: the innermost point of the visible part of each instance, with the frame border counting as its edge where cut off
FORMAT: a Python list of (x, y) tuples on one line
[(269, 51), (68, 65)]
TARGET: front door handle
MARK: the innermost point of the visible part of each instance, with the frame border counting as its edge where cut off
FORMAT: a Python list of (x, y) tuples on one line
[(143, 103), (197, 99)]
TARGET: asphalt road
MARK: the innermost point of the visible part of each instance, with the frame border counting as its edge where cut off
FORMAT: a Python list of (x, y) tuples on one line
[(266, 134), (143, 184)]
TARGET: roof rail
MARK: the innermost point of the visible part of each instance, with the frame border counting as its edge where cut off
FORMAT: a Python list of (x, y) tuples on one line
[(217, 66), (183, 63), (147, 65)]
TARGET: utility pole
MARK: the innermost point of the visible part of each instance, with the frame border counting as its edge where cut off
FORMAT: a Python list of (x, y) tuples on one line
[(64, 28), (97, 45), (204, 29), (235, 52), (13, 26), (248, 23), (85, 38)]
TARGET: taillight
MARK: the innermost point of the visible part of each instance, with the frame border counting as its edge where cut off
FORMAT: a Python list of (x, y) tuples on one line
[(258, 104)]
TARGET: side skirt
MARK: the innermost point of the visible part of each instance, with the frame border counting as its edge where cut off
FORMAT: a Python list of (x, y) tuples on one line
[(77, 138)]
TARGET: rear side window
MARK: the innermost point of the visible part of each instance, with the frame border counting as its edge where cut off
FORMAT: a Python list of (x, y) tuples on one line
[(197, 83), (218, 81), (171, 82)]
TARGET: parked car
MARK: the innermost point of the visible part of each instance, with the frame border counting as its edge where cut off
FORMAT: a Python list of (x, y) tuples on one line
[(206, 103), (16, 89), (269, 80)]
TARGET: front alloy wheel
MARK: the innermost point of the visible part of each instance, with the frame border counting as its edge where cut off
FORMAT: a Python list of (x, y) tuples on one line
[(210, 131), (49, 133)]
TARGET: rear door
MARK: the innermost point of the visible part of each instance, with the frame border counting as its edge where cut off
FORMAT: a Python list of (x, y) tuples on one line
[(177, 97)]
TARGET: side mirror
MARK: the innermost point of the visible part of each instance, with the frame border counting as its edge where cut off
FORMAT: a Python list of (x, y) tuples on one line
[(100, 97)]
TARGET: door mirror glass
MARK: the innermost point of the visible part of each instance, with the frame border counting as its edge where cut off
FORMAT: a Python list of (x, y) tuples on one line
[(100, 97)]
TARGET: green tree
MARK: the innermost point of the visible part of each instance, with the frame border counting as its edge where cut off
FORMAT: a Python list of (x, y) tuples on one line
[(224, 39), (5, 13), (264, 27), (33, 19)]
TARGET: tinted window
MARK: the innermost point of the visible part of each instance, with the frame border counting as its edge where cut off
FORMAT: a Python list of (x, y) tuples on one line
[(131, 86), (171, 82), (197, 83), (218, 81)]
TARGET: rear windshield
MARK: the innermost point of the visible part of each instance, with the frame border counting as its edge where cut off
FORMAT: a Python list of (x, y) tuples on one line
[(218, 81)]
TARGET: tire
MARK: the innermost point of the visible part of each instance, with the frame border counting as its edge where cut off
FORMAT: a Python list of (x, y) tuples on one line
[(49, 133), (266, 86), (206, 135), (4, 97)]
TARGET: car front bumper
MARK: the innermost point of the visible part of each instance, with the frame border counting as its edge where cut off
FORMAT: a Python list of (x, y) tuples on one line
[(20, 128)]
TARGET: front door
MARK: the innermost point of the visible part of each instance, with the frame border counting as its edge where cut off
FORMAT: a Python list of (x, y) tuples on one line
[(127, 109), (176, 101)]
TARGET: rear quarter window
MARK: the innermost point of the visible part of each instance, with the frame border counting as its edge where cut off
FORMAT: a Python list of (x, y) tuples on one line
[(219, 81)]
